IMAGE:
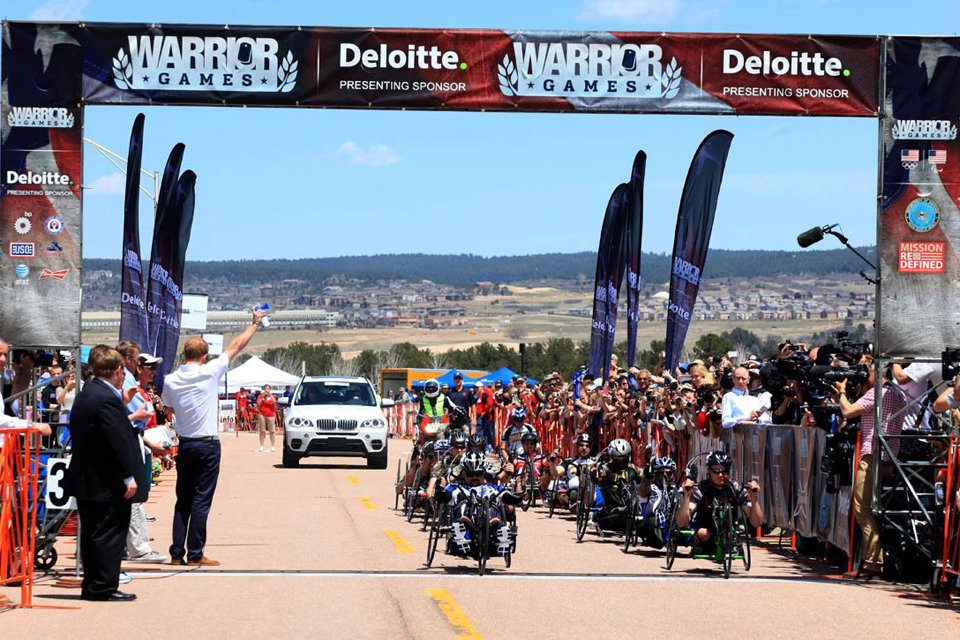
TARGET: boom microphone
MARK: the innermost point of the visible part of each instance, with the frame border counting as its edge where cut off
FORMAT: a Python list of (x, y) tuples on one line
[(809, 237)]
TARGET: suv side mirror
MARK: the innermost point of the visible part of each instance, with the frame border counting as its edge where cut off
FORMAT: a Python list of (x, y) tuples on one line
[(283, 401), (386, 403)]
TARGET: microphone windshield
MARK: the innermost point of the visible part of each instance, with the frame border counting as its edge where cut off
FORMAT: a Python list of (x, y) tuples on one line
[(810, 237)]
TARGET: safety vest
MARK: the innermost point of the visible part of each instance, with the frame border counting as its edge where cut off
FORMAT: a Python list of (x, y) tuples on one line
[(437, 408)]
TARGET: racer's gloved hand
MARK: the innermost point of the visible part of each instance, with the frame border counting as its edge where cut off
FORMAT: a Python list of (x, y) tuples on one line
[(510, 498), (443, 497)]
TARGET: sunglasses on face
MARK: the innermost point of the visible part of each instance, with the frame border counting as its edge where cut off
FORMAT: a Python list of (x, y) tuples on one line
[(720, 471)]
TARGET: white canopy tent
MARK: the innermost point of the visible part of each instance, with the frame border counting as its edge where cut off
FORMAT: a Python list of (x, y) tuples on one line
[(254, 373)]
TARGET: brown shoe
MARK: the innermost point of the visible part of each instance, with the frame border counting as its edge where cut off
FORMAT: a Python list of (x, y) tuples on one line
[(178, 561), (204, 562)]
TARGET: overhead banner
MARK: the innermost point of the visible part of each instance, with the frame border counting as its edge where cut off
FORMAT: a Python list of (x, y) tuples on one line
[(40, 196), (698, 206), (616, 266), (634, 239), (599, 325), (481, 69), (133, 303), (919, 302)]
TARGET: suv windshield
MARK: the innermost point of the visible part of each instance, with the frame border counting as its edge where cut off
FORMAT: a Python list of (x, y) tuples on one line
[(335, 392)]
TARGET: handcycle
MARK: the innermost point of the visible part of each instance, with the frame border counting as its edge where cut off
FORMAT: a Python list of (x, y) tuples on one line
[(661, 506), (478, 510), (586, 503), (529, 485), (731, 540)]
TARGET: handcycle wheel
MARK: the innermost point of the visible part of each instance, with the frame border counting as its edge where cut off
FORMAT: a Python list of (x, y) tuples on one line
[(583, 509), (553, 498), (727, 564), (629, 531), (396, 498), (673, 543), (528, 483), (484, 551), (508, 556), (436, 531), (746, 552), (412, 496)]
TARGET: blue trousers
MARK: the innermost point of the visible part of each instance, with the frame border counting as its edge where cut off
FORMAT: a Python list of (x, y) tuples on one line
[(198, 467)]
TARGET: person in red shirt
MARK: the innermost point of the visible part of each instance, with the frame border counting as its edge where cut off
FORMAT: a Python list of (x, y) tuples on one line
[(267, 410), (242, 396), (484, 404)]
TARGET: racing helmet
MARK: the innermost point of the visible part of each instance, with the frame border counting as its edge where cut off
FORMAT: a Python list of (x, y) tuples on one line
[(474, 462), (431, 388), (429, 449), (519, 413), (477, 440), (664, 464), (619, 449), (585, 439), (441, 447), (458, 440), (719, 459), (529, 437)]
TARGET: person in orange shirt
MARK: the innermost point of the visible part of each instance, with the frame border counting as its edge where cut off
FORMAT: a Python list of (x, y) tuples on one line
[(267, 419)]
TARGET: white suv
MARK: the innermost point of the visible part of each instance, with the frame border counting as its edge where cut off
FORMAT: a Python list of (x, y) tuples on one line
[(335, 416)]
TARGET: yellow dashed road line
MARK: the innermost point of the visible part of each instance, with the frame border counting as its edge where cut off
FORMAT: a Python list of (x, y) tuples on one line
[(353, 479), (367, 502), (460, 623), (398, 541)]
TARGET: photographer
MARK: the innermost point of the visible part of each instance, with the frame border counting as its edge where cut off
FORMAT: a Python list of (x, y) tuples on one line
[(892, 402), (682, 420)]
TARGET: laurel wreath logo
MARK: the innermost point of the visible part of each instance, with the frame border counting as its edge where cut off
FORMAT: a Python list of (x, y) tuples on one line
[(507, 75), (68, 121), (288, 73), (670, 79), (122, 70)]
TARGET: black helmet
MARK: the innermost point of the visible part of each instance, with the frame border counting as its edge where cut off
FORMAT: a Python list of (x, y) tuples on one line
[(458, 440), (585, 439), (429, 449), (477, 440), (530, 437), (474, 462), (719, 459)]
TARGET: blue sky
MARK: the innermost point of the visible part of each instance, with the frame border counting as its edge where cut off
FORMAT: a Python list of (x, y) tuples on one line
[(288, 183)]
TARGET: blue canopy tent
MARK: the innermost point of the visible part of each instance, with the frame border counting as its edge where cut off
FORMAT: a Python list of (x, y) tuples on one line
[(447, 378), (503, 375)]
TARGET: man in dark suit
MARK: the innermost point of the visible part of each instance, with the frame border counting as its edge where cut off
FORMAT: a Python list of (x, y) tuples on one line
[(104, 464)]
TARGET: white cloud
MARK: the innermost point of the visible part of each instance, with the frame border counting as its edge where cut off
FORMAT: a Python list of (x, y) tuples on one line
[(110, 184), (640, 10), (59, 10), (378, 155)]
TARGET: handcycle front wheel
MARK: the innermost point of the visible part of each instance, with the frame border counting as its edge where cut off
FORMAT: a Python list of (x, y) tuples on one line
[(630, 529), (396, 498), (746, 553), (436, 532), (484, 551), (673, 544)]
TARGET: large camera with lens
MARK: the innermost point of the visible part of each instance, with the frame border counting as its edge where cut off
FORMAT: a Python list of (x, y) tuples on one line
[(837, 460)]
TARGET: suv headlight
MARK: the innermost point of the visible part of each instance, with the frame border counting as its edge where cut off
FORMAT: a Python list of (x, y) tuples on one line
[(375, 423), (297, 421)]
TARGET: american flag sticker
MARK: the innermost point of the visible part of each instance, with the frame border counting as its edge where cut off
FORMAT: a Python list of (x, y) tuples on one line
[(921, 257), (910, 155), (937, 156)]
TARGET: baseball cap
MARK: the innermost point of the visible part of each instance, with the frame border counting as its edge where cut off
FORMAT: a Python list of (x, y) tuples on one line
[(148, 359), (458, 376), (478, 383)]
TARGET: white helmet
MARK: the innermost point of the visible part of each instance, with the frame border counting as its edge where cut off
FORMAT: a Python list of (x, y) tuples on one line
[(619, 448), (431, 388)]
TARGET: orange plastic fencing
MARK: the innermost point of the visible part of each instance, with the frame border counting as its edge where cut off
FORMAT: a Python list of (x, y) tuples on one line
[(19, 465)]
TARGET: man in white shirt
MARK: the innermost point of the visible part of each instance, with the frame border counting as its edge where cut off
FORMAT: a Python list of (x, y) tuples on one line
[(738, 405), (913, 381), (190, 393), (9, 422)]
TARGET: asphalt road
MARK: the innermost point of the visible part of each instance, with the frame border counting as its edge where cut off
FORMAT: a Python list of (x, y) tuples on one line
[(319, 552)]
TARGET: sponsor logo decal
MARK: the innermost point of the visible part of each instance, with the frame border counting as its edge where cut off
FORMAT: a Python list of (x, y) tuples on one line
[(921, 257), (22, 271), (50, 180), (924, 130), (687, 271), (673, 307), (567, 70), (59, 275), (22, 250), (54, 247), (414, 57), (132, 260), (46, 117), (933, 159), (922, 215), (210, 63), (22, 225), (54, 225), (798, 63)]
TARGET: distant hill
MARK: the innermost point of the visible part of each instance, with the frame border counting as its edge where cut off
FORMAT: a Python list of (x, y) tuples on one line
[(465, 269)]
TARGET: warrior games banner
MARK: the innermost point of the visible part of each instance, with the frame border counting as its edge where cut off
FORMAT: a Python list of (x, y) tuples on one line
[(698, 205), (481, 69), (40, 185), (919, 305), (133, 308), (634, 213), (600, 326)]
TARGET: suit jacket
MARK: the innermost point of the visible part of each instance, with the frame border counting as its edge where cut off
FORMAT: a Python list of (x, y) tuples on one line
[(104, 447)]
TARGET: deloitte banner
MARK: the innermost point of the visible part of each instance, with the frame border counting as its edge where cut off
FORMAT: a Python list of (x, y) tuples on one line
[(919, 239), (481, 69)]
